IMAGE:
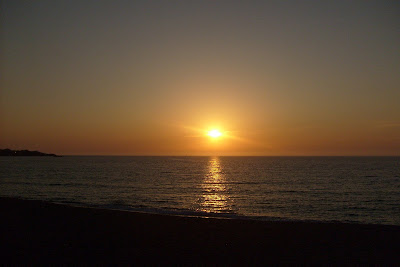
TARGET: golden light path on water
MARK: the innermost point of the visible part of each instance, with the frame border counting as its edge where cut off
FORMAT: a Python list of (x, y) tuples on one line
[(215, 197)]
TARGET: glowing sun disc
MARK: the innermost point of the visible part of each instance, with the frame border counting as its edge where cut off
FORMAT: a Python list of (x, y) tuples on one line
[(214, 133)]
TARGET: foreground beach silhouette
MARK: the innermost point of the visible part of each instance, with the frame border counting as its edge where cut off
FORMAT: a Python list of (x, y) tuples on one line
[(35, 232)]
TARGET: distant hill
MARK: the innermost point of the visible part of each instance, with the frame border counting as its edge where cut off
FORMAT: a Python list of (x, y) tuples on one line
[(9, 152)]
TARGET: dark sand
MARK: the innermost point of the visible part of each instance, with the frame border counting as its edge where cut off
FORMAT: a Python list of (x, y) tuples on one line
[(41, 232)]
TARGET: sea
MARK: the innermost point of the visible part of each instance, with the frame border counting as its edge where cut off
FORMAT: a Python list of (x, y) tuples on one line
[(323, 189)]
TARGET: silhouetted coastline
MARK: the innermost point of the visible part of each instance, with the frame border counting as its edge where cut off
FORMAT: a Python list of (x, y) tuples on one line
[(13, 153)]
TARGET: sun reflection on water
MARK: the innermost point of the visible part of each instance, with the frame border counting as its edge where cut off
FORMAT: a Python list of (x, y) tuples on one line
[(215, 197)]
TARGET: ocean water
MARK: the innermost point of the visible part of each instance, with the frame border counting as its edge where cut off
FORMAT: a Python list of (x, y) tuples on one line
[(345, 189)]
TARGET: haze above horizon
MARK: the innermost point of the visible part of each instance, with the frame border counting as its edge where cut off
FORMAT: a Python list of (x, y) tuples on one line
[(200, 78)]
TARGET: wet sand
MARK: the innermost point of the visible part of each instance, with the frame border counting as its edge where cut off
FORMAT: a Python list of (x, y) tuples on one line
[(41, 232)]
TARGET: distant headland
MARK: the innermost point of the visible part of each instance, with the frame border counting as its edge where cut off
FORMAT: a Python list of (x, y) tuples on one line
[(9, 152)]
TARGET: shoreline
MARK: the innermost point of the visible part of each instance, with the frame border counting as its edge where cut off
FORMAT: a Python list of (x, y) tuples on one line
[(34, 231), (198, 214)]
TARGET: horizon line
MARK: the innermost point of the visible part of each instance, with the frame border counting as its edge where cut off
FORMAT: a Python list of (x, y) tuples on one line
[(116, 155)]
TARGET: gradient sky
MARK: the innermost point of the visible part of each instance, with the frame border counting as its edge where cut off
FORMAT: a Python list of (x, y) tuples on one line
[(149, 77)]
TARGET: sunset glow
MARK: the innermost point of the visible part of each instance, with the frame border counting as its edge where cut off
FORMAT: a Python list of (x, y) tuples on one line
[(214, 133), (261, 78), (215, 116)]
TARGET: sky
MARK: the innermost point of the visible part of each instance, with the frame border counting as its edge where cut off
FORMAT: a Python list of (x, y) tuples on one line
[(296, 78)]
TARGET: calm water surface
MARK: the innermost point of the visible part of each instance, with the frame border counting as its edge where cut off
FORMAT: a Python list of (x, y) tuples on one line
[(347, 189)]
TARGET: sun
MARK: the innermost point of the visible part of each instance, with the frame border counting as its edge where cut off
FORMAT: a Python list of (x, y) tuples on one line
[(214, 133)]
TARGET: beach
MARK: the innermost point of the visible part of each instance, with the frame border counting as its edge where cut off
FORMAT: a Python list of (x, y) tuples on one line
[(38, 232)]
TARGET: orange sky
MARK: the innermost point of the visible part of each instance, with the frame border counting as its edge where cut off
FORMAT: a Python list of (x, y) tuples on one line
[(120, 78)]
